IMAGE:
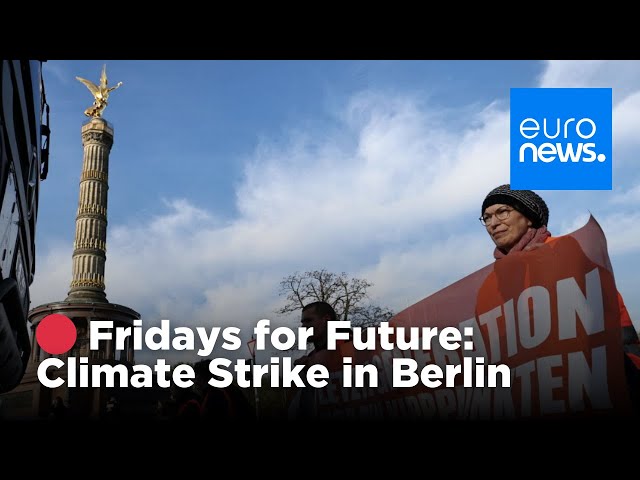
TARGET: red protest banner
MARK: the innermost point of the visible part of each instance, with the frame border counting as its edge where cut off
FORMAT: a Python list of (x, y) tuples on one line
[(550, 316)]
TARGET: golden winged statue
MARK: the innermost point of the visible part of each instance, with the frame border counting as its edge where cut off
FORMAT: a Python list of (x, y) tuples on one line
[(100, 94)]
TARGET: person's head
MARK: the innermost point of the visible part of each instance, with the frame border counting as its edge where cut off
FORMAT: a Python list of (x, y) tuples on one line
[(508, 214), (316, 315)]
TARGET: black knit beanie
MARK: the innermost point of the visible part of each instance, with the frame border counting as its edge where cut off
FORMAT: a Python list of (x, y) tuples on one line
[(526, 202)]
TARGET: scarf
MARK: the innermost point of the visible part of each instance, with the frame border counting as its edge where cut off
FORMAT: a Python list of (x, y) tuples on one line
[(533, 235)]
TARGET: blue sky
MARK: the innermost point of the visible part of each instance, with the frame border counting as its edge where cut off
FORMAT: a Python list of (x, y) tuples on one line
[(226, 176)]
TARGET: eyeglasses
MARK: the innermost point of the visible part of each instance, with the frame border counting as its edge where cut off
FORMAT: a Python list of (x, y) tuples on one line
[(500, 214)]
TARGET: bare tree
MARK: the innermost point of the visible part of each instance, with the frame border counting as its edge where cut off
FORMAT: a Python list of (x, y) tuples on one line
[(370, 315), (346, 295)]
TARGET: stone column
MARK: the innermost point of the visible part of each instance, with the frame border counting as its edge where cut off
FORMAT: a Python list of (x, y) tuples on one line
[(89, 248)]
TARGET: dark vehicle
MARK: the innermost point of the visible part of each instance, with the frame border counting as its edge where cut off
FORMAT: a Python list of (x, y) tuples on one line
[(24, 155)]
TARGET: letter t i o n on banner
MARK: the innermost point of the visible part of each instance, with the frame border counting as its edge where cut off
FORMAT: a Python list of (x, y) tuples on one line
[(561, 138)]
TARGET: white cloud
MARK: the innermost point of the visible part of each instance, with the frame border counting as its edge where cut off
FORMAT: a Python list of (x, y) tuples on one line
[(404, 276), (52, 277), (629, 197), (400, 166), (623, 76), (625, 121)]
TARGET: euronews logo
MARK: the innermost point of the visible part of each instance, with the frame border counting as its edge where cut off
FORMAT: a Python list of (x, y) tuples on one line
[(561, 138)]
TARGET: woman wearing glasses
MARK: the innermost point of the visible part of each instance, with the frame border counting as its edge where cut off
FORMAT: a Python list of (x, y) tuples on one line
[(516, 220)]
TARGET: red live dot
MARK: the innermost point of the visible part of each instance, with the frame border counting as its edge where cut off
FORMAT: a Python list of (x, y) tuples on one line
[(56, 334)]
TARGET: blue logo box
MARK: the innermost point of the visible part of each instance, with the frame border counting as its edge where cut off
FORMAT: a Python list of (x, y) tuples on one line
[(561, 138)]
